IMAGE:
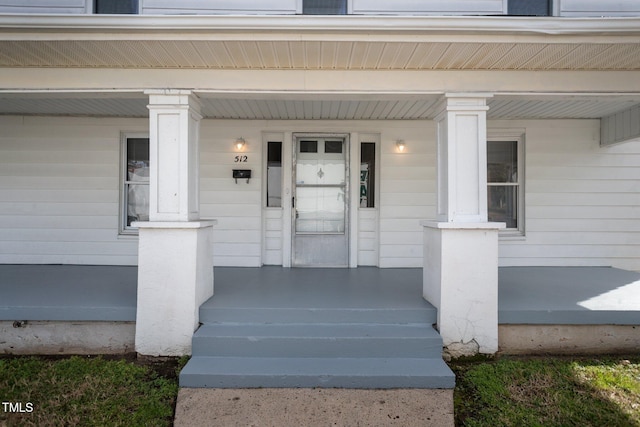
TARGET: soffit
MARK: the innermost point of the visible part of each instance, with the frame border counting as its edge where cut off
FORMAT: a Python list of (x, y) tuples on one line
[(317, 107), (320, 43), (319, 55)]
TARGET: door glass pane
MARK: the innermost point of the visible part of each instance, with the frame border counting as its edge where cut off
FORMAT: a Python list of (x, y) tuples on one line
[(502, 161), (308, 146), (320, 210), (320, 168), (334, 147), (503, 205)]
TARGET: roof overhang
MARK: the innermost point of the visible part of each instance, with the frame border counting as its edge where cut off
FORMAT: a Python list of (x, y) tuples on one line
[(319, 44)]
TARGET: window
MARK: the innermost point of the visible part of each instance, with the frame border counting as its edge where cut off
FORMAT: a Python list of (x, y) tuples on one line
[(529, 7), (135, 190), (115, 7), (505, 195), (367, 174), (324, 7), (274, 174)]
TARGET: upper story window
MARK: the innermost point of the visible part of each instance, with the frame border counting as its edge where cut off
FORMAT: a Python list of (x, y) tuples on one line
[(529, 7), (115, 7), (324, 7)]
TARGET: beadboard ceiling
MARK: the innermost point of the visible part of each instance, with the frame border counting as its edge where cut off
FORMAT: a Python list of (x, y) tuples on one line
[(262, 107)]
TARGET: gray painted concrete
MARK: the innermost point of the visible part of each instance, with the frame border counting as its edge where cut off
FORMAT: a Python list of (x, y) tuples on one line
[(68, 292), (568, 295), (535, 295)]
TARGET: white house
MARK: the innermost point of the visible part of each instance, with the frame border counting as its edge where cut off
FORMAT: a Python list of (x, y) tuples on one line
[(456, 136)]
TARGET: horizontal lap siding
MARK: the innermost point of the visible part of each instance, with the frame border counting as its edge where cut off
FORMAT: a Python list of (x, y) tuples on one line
[(582, 201), (599, 8), (43, 6), (182, 7), (237, 239), (407, 192), (368, 236), (423, 7), (272, 253), (60, 191)]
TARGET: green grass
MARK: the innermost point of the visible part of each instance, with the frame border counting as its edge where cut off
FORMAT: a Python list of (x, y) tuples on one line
[(81, 391), (548, 392)]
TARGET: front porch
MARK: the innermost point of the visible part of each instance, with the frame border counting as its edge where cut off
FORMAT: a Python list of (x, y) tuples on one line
[(547, 296)]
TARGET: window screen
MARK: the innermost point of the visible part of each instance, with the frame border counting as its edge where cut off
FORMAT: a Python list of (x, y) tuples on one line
[(324, 7), (529, 7), (115, 6)]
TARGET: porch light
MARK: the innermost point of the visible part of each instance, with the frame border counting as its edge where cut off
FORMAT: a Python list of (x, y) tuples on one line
[(401, 146), (240, 142)]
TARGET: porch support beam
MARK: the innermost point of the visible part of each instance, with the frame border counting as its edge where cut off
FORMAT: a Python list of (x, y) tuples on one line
[(461, 247), (175, 261)]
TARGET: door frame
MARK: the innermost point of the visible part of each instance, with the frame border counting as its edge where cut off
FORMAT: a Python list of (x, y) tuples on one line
[(293, 144)]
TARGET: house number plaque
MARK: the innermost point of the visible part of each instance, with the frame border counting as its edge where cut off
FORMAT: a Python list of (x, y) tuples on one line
[(240, 159)]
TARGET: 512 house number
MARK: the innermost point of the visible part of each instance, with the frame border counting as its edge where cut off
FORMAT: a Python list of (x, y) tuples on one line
[(240, 159)]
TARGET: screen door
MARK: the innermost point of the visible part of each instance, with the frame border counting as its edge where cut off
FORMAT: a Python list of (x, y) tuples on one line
[(320, 200)]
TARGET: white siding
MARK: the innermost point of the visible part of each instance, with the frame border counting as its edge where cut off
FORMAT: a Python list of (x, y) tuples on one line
[(60, 191), (43, 6), (407, 191), (598, 8), (368, 236), (582, 201), (201, 7), (236, 206), (430, 7), (272, 225)]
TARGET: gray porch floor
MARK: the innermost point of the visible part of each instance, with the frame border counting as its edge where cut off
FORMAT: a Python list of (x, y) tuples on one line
[(529, 295)]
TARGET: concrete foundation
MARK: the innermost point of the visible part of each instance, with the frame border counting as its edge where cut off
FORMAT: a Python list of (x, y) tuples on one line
[(568, 339), (44, 337)]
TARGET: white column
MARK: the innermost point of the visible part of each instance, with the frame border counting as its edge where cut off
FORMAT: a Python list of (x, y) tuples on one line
[(461, 247), (175, 261)]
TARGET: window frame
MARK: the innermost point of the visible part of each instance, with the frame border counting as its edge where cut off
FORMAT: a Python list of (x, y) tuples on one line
[(517, 136), (123, 228)]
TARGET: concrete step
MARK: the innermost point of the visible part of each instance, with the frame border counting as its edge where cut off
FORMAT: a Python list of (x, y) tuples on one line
[(317, 315), (278, 372), (317, 340)]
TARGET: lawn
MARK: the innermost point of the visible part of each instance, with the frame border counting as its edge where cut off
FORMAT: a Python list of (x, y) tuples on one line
[(86, 391), (97, 391), (548, 392)]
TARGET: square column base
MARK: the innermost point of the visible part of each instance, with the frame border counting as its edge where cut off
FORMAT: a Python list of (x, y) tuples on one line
[(175, 276), (460, 279)]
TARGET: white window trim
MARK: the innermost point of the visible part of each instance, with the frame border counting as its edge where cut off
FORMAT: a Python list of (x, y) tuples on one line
[(123, 229), (517, 135)]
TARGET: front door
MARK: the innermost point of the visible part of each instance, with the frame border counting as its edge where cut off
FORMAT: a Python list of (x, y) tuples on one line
[(320, 200)]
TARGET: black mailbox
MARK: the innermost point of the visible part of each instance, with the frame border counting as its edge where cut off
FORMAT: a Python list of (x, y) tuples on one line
[(242, 174)]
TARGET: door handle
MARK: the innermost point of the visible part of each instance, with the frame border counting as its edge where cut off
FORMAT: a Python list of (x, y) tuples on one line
[(293, 201)]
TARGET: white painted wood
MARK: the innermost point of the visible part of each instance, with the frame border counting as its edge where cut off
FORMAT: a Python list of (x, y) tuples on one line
[(272, 230), (199, 7), (59, 191), (368, 241), (581, 200), (430, 7), (44, 6), (597, 8), (462, 159)]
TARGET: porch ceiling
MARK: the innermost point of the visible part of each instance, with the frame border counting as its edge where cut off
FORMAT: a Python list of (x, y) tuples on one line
[(317, 106)]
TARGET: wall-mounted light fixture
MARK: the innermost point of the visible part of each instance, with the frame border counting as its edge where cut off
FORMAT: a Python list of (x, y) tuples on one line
[(401, 145), (240, 143)]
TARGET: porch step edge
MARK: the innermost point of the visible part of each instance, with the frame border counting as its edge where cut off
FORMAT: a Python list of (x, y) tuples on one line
[(364, 373)]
